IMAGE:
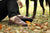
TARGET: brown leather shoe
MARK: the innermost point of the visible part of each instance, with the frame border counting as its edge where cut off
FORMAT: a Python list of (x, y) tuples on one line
[(17, 21)]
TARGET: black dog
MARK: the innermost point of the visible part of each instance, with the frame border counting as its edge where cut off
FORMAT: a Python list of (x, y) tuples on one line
[(35, 6), (41, 4), (48, 1)]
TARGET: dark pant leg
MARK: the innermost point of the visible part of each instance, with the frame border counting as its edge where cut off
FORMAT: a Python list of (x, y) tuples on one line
[(27, 7), (13, 8), (3, 15), (3, 10)]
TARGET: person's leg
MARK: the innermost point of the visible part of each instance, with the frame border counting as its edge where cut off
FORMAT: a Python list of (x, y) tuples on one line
[(12, 13), (3, 10), (13, 8), (27, 7), (3, 14), (41, 4)]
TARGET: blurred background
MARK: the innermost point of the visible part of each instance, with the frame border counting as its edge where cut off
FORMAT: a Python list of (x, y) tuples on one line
[(31, 8)]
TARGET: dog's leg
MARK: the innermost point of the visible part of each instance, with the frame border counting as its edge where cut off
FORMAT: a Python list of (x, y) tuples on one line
[(46, 2), (27, 6), (41, 4), (35, 8)]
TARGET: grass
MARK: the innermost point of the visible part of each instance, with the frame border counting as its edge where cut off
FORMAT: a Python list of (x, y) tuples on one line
[(31, 28)]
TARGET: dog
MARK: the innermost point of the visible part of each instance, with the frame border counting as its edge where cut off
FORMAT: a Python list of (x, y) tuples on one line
[(48, 1), (35, 6)]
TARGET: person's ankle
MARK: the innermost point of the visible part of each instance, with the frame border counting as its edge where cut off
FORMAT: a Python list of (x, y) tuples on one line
[(12, 18)]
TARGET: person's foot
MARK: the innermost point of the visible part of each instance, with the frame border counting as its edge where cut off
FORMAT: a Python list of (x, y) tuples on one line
[(17, 21), (23, 16)]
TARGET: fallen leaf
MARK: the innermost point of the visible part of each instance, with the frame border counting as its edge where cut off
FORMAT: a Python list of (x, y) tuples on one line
[(8, 29), (47, 18), (0, 27), (28, 22)]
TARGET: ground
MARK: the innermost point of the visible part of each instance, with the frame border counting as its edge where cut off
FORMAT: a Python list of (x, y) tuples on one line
[(41, 23)]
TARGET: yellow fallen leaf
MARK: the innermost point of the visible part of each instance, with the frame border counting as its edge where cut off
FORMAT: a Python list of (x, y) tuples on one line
[(28, 22)]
